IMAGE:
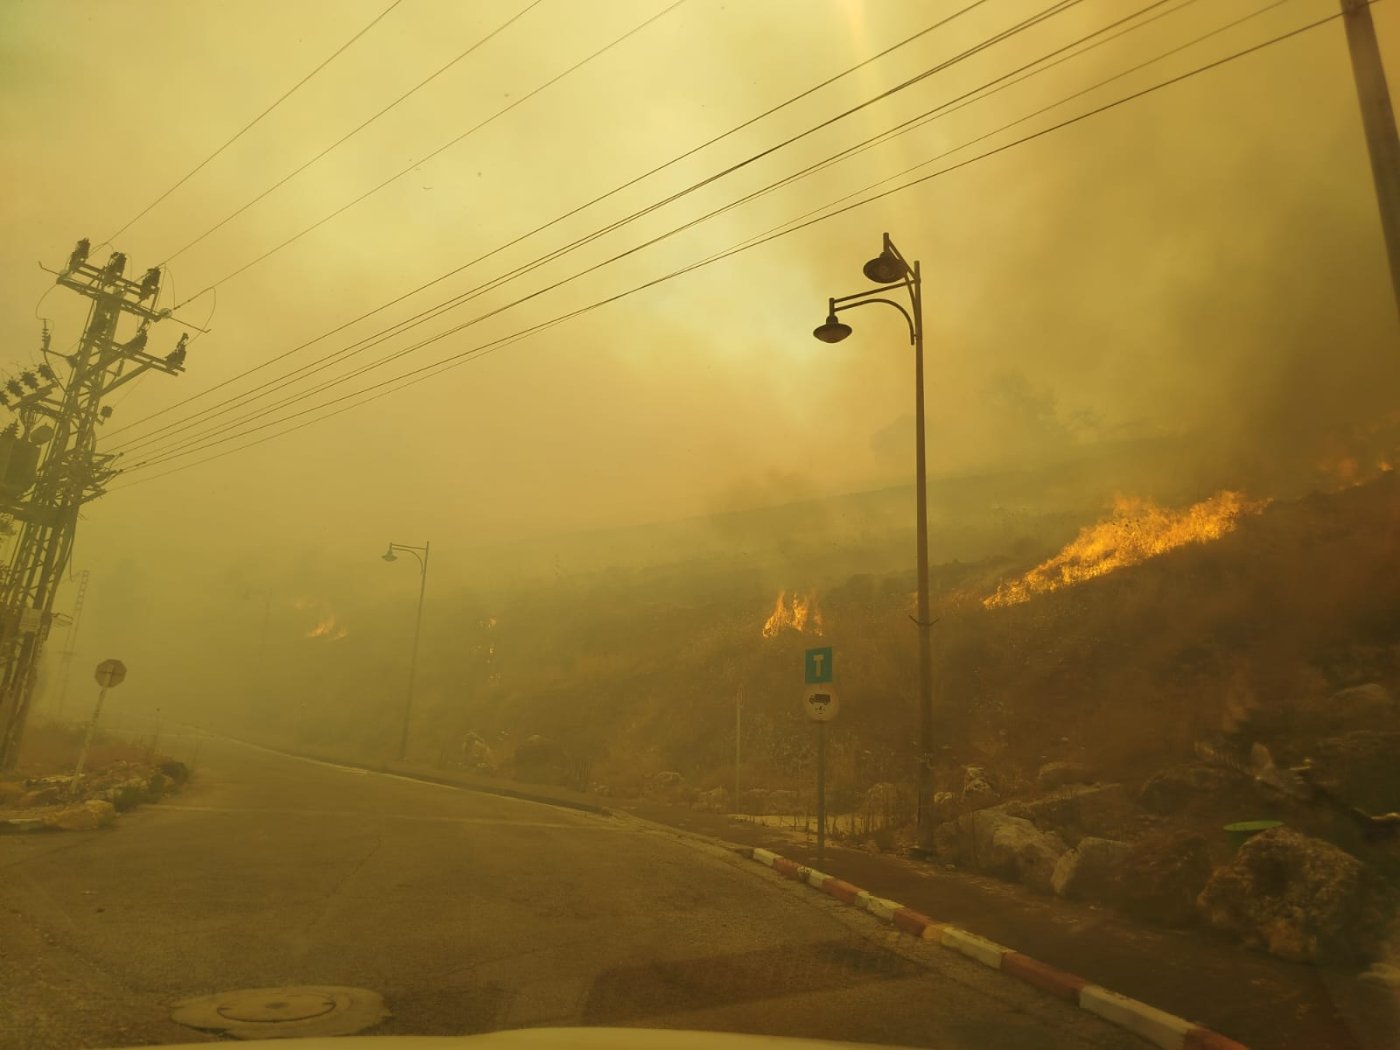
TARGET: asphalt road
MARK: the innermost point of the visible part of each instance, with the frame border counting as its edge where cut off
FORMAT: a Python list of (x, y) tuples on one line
[(468, 913)]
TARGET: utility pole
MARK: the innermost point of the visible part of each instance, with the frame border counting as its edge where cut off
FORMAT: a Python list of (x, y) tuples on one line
[(52, 466), (67, 666), (1378, 118)]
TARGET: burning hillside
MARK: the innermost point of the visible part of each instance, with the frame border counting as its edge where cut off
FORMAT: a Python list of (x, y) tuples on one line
[(1136, 531), (800, 613)]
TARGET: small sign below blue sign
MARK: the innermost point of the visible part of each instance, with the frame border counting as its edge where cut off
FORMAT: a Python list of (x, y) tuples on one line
[(816, 666)]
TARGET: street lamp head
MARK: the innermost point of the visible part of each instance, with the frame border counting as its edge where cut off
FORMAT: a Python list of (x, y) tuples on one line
[(833, 331), (885, 268), (389, 555)]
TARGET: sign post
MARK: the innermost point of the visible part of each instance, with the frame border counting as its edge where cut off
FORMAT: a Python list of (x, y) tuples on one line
[(820, 703), (109, 673)]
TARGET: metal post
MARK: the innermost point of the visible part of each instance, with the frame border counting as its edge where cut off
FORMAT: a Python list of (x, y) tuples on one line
[(413, 660), (890, 270), (738, 725), (925, 812), (1378, 118), (87, 740), (821, 792)]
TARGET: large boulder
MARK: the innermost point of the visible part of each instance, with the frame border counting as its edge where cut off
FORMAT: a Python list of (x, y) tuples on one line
[(1077, 810), (1360, 768), (85, 816), (977, 785), (1090, 870), (1161, 877), (1173, 790), (1369, 706), (158, 785), (44, 796), (1299, 898), (175, 770), (1014, 848), (127, 794), (948, 843), (1057, 774)]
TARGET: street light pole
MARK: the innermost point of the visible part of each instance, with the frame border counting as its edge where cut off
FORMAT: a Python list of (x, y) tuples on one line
[(890, 271), (391, 555)]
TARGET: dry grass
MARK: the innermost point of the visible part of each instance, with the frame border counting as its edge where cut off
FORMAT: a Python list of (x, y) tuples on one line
[(52, 750)]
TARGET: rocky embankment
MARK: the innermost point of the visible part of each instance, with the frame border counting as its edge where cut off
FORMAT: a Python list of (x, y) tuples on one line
[(65, 803)]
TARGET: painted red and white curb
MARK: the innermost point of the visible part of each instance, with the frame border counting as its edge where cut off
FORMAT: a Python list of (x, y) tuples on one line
[(1157, 1026)]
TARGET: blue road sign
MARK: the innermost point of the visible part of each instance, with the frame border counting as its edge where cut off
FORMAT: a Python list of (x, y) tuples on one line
[(816, 666)]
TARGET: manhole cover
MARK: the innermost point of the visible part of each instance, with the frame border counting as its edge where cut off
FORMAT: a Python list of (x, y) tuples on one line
[(288, 1012)]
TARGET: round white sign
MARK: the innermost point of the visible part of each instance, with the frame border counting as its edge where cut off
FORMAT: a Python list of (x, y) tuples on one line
[(820, 702)]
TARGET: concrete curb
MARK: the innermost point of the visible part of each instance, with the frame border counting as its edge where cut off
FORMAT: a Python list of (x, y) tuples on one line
[(491, 789), (1157, 1026), (427, 777)]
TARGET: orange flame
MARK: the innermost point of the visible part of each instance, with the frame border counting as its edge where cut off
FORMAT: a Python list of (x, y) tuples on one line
[(326, 628), (801, 615), (1138, 530)]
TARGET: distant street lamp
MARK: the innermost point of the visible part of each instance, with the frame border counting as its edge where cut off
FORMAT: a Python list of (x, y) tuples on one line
[(890, 271), (391, 555)]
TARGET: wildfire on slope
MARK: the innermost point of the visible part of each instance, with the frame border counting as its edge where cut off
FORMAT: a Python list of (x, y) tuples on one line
[(1136, 531), (326, 628), (801, 614)]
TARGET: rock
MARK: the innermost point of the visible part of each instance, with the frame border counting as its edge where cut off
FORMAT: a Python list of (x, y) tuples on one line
[(126, 795), (48, 796), (667, 780), (1299, 898), (1015, 849), (1382, 974), (1172, 790), (948, 842), (1058, 774), (977, 784), (1090, 870), (178, 772), (86, 816), (1360, 768), (715, 800), (1099, 810), (1161, 877), (158, 785), (1370, 706), (477, 756)]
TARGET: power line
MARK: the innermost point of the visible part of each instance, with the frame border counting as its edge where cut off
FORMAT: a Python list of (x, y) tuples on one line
[(437, 310), (247, 398), (445, 146), (923, 119), (359, 128), (264, 410), (247, 127), (569, 214), (462, 357)]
